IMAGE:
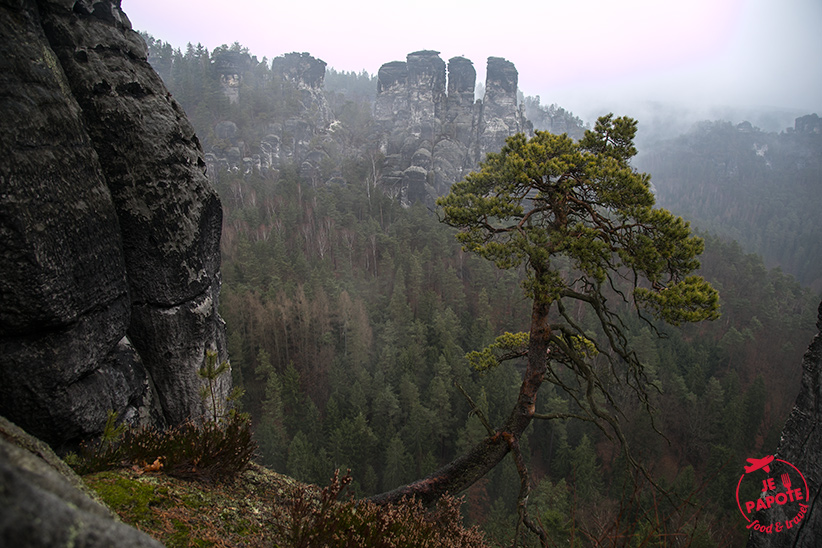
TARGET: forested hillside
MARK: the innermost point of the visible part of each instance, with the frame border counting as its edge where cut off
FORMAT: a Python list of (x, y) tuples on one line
[(349, 318), (760, 189)]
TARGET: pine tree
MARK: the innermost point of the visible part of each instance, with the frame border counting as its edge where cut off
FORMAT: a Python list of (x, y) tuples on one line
[(300, 464), (271, 432), (576, 216), (585, 470), (398, 464)]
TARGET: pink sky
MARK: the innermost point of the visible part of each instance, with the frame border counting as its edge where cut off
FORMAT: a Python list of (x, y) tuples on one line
[(753, 52)]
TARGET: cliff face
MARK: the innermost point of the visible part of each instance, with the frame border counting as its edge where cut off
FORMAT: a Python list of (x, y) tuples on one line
[(800, 445), (431, 130), (425, 121), (500, 116), (109, 230)]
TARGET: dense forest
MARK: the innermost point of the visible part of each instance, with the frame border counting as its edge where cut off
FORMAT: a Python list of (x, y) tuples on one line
[(349, 318), (758, 188)]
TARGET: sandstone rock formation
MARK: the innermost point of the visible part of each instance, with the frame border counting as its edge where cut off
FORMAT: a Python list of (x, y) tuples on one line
[(230, 66), (810, 123), (109, 230), (500, 117), (44, 503), (800, 445), (431, 130), (284, 142)]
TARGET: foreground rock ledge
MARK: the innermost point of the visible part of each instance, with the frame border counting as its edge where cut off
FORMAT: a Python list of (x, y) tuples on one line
[(43, 503)]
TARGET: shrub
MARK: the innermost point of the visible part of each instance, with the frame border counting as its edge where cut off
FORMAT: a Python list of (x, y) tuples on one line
[(324, 521), (209, 451)]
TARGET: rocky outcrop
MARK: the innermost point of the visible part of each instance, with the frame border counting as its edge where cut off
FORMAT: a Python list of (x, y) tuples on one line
[(230, 66), (432, 132), (500, 116), (307, 74), (44, 503), (810, 123), (110, 230), (459, 115), (800, 445), (290, 141)]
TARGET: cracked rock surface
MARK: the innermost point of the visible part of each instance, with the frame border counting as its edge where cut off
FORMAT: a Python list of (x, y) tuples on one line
[(44, 503), (109, 229)]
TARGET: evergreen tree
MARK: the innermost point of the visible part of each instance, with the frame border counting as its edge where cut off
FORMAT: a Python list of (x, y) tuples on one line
[(271, 432), (585, 470), (573, 214), (398, 464), (294, 401), (753, 411), (300, 464), (439, 401)]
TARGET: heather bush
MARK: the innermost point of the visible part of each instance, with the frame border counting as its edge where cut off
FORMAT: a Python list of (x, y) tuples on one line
[(209, 451), (325, 521)]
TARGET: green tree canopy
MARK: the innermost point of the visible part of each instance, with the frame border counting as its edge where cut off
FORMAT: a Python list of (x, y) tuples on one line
[(582, 222), (541, 200)]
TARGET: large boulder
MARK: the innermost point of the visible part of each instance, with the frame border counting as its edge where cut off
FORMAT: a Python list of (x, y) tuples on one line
[(109, 279), (44, 503)]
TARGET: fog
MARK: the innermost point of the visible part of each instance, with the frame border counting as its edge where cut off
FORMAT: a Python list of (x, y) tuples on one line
[(704, 58), (660, 120)]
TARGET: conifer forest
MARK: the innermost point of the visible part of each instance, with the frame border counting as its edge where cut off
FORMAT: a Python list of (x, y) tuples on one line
[(367, 337)]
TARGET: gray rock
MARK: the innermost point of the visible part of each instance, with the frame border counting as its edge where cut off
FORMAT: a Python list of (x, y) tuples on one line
[(459, 123), (810, 123), (392, 75), (800, 445), (270, 151), (500, 117), (175, 340), (451, 163), (415, 186), (391, 108), (422, 158), (426, 89), (414, 113), (43, 503), (307, 75), (170, 216), (226, 130), (300, 68), (105, 212), (230, 66), (64, 296)]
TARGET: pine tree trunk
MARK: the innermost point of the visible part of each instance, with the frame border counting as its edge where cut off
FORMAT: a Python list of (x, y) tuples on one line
[(466, 469)]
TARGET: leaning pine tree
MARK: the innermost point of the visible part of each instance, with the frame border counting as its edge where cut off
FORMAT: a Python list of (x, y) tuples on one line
[(582, 221)]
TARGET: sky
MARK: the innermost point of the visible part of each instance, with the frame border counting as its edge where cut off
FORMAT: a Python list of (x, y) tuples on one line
[(576, 53)]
